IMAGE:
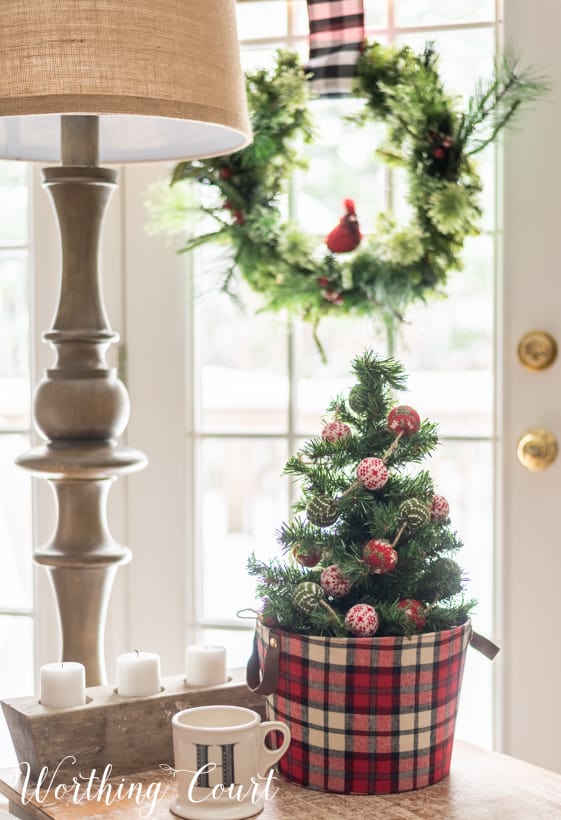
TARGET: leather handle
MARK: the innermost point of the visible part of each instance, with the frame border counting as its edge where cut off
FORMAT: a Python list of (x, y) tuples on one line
[(484, 645), (267, 683)]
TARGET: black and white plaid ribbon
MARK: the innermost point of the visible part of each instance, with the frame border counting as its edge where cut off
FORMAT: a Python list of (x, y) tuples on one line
[(336, 39)]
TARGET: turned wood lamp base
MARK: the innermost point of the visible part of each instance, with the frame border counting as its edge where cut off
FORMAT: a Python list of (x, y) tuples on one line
[(81, 407)]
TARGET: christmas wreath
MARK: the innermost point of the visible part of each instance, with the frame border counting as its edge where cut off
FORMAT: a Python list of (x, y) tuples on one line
[(427, 135)]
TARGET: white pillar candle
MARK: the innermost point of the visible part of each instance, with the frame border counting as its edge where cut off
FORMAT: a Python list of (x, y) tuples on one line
[(205, 665), (138, 674), (62, 685)]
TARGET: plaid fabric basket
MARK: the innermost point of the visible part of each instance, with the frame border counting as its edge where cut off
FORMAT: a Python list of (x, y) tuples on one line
[(367, 715)]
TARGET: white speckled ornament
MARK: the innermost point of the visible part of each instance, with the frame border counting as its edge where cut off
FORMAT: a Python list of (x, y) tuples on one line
[(362, 620), (372, 473), (335, 431), (440, 508), (333, 582)]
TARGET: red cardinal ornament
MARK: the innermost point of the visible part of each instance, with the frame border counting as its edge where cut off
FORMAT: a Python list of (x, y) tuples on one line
[(346, 236)]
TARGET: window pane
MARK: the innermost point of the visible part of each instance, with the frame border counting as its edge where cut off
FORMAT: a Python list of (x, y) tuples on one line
[(13, 202), (16, 672), (255, 57), (238, 643), (243, 361), (14, 340), (320, 382), (261, 18), (299, 13), (464, 56), (447, 348), (463, 472), (439, 12), (15, 527), (376, 13), (244, 499), (341, 165)]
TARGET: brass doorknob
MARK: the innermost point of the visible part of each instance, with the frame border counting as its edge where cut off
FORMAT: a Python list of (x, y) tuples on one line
[(537, 350), (536, 449)]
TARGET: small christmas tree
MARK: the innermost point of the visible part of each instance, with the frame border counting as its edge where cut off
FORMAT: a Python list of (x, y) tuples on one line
[(369, 551)]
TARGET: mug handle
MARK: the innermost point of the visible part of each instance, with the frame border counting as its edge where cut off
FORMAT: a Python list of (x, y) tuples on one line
[(268, 757)]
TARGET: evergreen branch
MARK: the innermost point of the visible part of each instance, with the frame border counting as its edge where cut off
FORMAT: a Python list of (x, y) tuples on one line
[(494, 104), (202, 240)]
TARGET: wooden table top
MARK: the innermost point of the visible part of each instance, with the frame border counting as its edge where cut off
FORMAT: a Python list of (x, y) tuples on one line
[(482, 785)]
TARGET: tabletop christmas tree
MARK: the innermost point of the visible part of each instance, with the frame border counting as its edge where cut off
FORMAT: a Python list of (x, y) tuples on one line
[(369, 551)]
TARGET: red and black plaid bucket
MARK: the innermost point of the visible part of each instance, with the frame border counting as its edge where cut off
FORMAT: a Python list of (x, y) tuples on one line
[(367, 715)]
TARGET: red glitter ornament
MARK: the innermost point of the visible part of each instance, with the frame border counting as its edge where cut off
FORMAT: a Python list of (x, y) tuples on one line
[(333, 582), (346, 235), (414, 610), (372, 473), (335, 431), (362, 620), (439, 508), (403, 419), (379, 556)]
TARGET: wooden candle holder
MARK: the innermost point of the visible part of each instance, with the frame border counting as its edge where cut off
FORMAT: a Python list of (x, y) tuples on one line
[(130, 734)]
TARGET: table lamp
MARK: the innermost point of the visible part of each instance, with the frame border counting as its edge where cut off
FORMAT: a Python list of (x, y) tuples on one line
[(82, 82)]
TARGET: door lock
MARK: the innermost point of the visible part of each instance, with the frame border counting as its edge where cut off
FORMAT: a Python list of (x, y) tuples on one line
[(536, 449)]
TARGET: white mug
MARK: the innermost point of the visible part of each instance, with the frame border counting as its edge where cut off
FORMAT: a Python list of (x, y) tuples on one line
[(222, 763)]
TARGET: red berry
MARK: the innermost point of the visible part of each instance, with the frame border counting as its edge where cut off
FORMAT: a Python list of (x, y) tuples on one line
[(323, 281), (438, 152), (414, 610), (225, 172)]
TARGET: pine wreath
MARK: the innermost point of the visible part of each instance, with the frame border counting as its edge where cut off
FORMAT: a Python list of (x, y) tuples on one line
[(427, 135)]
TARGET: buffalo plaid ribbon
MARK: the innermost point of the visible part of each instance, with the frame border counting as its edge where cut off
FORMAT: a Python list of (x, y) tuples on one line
[(368, 715), (336, 39)]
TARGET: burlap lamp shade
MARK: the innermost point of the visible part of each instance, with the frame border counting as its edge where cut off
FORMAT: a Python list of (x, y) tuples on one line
[(173, 64)]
